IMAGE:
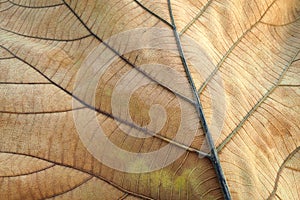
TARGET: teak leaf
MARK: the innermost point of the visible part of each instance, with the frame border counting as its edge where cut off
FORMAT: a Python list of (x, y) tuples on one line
[(134, 99)]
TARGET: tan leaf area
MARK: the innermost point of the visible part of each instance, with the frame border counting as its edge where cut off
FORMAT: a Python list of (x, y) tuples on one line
[(245, 73)]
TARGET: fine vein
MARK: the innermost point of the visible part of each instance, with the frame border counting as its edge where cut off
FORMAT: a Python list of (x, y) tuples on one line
[(258, 104), (125, 59), (144, 130), (203, 86)]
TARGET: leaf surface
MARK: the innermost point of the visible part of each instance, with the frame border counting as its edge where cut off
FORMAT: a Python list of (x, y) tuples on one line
[(249, 93)]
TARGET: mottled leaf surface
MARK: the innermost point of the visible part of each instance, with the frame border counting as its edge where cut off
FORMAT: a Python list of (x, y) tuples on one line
[(254, 46)]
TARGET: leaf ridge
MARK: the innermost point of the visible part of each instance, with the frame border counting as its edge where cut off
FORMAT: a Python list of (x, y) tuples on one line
[(213, 153), (282, 166), (30, 173), (292, 168), (43, 38), (41, 113), (124, 196), (7, 58), (257, 105), (287, 85), (24, 83), (33, 7), (199, 14), (281, 25)]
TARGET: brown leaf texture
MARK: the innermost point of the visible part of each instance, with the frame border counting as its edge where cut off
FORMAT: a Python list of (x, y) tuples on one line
[(249, 89)]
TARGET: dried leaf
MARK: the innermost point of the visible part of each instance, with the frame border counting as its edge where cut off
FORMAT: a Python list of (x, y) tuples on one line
[(63, 65)]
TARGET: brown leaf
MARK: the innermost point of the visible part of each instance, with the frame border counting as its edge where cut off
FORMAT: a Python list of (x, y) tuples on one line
[(56, 91)]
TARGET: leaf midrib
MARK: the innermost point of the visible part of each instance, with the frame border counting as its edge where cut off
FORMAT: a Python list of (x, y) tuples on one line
[(213, 152)]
